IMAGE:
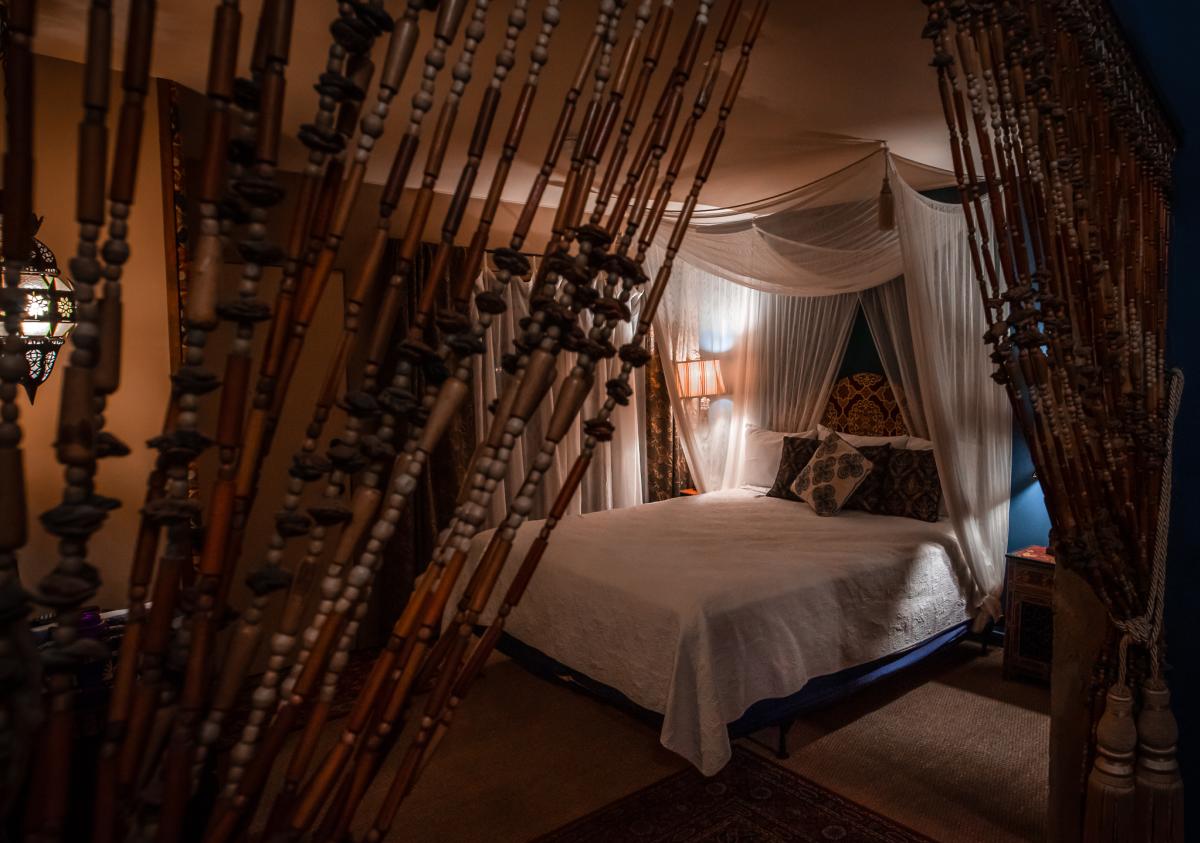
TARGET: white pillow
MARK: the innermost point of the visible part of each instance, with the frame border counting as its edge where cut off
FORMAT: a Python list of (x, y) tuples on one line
[(865, 441), (763, 451)]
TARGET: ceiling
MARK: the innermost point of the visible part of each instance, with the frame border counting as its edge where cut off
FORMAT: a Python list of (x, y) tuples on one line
[(856, 68)]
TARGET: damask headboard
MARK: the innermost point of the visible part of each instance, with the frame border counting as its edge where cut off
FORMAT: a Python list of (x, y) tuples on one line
[(863, 404)]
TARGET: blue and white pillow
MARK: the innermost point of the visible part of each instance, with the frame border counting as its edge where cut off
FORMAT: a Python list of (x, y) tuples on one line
[(831, 476)]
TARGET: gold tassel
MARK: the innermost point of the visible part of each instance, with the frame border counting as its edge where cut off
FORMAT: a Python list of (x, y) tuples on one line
[(887, 206), (1110, 791), (1158, 785)]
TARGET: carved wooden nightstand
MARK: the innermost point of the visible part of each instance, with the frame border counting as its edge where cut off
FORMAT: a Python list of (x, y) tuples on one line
[(1029, 614)]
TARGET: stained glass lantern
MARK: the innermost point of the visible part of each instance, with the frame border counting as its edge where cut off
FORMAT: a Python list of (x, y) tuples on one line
[(48, 315)]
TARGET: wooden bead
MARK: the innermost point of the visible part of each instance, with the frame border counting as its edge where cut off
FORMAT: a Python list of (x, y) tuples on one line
[(12, 499), (75, 419), (222, 67), (108, 372)]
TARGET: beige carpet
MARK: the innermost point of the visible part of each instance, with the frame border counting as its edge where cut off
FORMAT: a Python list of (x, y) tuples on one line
[(947, 748)]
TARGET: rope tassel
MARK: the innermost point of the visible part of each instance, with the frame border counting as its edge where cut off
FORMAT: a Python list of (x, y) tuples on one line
[(1110, 789), (1157, 783), (887, 205)]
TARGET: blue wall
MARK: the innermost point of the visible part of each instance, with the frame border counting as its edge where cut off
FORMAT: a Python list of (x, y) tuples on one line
[(1028, 522), (1166, 36)]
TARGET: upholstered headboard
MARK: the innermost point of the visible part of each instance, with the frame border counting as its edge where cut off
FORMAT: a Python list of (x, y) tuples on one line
[(863, 404)]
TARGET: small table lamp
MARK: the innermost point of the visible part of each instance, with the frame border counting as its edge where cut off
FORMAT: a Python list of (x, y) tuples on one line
[(700, 379)]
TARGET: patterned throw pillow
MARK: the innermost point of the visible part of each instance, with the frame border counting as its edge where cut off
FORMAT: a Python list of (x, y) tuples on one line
[(831, 476), (912, 488), (869, 496), (797, 451)]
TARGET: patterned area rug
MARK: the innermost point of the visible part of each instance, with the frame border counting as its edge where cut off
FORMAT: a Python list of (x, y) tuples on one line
[(750, 801)]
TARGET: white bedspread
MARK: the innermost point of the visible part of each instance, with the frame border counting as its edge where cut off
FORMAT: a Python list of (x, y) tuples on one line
[(698, 607)]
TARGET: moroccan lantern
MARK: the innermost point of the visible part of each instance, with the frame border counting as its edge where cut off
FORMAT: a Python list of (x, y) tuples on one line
[(47, 313)]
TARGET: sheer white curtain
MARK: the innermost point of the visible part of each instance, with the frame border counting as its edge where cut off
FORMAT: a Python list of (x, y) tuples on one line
[(704, 316), (779, 357), (796, 348), (967, 413), (616, 475), (886, 308)]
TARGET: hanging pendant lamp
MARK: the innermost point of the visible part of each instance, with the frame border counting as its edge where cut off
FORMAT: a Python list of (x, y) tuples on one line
[(47, 312)]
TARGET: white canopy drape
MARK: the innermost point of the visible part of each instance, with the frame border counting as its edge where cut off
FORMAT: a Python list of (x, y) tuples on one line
[(967, 413), (771, 289), (779, 354)]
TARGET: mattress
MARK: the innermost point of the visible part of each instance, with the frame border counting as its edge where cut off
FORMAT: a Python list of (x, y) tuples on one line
[(698, 607)]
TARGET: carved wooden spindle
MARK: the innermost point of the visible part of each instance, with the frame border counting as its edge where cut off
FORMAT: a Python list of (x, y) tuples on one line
[(408, 469), (181, 442), (92, 371), (445, 643), (650, 59), (378, 448), (135, 84), (478, 591), (21, 711), (257, 188), (1051, 121), (246, 777), (440, 712), (668, 103), (485, 578), (448, 556), (272, 391), (405, 679), (326, 138)]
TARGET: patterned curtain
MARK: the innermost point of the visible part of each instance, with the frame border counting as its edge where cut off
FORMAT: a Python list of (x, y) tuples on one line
[(666, 468)]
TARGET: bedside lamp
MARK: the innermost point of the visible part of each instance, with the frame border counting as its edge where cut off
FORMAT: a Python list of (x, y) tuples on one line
[(700, 379)]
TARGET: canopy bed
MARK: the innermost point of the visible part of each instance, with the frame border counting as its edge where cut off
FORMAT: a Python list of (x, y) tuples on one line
[(726, 602), (715, 612)]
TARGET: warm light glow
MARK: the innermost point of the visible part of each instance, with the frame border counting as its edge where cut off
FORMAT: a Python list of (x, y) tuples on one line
[(699, 378), (47, 317)]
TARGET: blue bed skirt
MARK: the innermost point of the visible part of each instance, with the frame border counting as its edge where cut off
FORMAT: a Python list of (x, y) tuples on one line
[(817, 693)]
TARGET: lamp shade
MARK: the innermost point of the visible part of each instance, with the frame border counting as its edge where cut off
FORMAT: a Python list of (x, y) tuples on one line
[(698, 378)]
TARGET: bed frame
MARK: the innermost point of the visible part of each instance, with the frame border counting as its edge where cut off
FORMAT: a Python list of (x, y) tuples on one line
[(780, 713)]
